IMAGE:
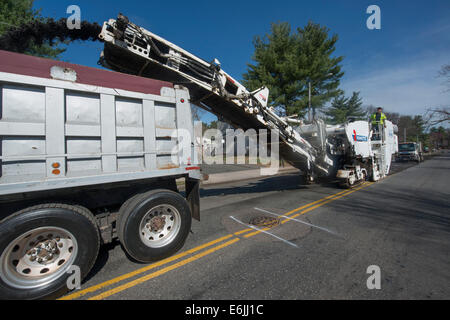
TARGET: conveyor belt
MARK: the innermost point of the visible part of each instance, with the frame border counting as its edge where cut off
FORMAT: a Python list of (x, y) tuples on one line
[(131, 49)]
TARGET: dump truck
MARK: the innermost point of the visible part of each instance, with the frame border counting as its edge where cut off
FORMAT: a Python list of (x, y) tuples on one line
[(88, 156)]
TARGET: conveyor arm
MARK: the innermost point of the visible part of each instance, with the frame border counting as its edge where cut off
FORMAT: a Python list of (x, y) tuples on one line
[(132, 49)]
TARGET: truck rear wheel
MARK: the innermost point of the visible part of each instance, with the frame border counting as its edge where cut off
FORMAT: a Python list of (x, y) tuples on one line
[(154, 225), (39, 246), (307, 179)]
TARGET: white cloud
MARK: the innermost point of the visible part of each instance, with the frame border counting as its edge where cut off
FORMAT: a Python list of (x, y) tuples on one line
[(407, 89)]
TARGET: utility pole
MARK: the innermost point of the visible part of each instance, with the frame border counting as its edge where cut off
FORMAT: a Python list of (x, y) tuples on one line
[(312, 111), (404, 135), (310, 102)]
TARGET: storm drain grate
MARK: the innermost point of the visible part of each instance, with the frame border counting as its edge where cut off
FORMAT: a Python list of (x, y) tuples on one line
[(265, 222)]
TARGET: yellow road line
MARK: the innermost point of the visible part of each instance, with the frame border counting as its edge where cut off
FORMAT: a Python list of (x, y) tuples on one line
[(92, 289), (162, 271), (242, 232), (153, 275), (329, 199), (316, 202), (256, 233), (142, 270), (250, 235), (347, 193)]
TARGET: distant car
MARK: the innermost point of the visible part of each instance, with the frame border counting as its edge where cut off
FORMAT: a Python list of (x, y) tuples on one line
[(411, 151), (426, 150)]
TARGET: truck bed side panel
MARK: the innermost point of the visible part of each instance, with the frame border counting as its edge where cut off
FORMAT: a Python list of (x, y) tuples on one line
[(60, 134)]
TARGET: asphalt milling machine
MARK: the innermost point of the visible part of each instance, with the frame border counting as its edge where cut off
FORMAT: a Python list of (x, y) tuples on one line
[(353, 152)]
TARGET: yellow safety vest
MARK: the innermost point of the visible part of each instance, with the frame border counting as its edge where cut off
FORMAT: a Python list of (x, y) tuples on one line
[(381, 121)]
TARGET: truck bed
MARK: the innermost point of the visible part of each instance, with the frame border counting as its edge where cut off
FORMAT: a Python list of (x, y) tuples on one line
[(65, 125)]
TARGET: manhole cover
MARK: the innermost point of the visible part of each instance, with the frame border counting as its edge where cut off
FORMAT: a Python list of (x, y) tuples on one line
[(291, 230), (265, 222)]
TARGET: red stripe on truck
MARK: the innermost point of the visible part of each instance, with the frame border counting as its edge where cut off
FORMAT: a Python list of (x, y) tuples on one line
[(16, 63), (192, 168)]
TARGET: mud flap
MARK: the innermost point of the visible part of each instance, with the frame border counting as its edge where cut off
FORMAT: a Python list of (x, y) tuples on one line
[(193, 197)]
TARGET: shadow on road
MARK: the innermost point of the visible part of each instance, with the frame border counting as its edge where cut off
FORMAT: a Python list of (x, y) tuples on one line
[(278, 183), (287, 182)]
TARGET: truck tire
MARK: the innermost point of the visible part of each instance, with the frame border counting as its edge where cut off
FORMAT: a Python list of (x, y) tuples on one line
[(306, 180), (40, 245), (154, 225)]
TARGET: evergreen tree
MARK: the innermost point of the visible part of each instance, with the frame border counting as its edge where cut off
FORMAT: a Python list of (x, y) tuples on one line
[(343, 108), (14, 13), (287, 62)]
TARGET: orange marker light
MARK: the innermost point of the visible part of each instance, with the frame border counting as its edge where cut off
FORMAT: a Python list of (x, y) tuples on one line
[(56, 165), (56, 172)]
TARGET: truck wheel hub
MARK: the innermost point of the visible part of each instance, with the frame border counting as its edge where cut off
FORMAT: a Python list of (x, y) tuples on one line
[(160, 226), (44, 253), (157, 224), (38, 257)]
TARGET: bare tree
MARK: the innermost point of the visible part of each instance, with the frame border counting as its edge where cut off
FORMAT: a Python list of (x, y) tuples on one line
[(445, 73), (437, 116)]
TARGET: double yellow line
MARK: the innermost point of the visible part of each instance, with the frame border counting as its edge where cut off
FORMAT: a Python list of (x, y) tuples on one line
[(214, 246)]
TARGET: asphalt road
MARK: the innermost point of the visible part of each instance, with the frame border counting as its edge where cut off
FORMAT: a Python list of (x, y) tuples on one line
[(401, 225)]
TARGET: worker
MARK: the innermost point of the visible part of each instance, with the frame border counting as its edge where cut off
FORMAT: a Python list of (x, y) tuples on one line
[(378, 120)]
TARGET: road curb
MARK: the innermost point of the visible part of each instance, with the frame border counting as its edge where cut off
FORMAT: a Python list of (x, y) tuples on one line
[(225, 177)]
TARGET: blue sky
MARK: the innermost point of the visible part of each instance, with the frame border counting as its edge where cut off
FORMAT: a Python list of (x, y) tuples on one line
[(395, 67)]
